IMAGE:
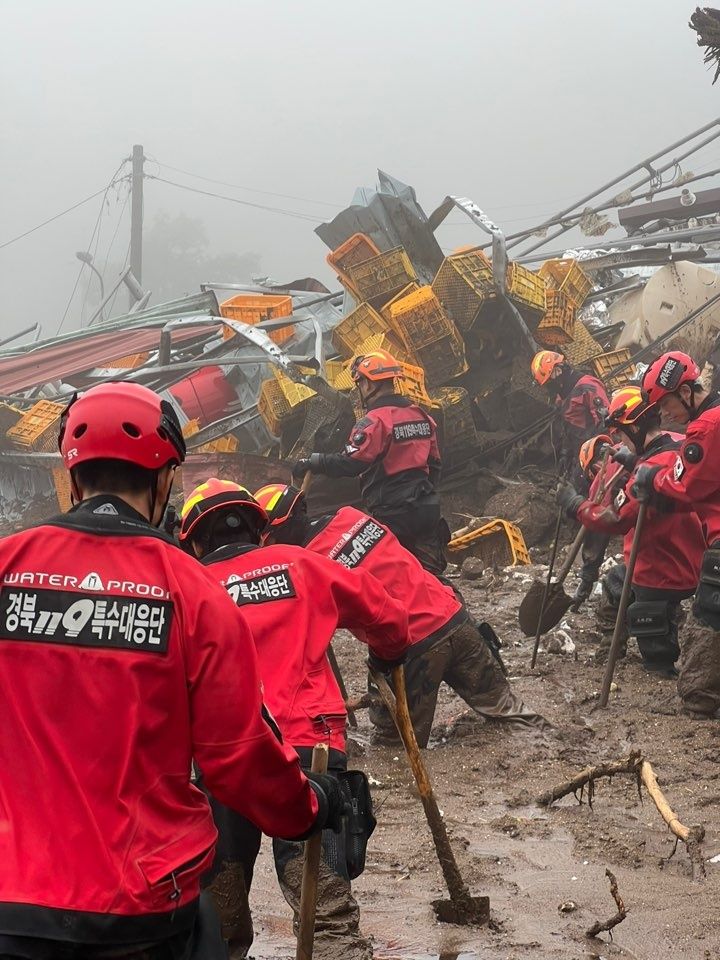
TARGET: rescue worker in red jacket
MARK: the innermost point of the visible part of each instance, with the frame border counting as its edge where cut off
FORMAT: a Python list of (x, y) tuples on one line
[(294, 601), (394, 450), (445, 643), (664, 576), (121, 659), (692, 481)]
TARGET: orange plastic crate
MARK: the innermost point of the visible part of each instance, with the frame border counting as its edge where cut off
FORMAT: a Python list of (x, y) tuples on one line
[(61, 480), (356, 248), (420, 319), (38, 428), (569, 277), (254, 308)]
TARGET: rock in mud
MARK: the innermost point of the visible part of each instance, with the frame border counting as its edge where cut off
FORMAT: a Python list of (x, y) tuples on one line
[(472, 568)]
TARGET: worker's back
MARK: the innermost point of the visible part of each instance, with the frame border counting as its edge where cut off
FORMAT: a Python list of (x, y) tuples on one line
[(120, 660), (357, 540)]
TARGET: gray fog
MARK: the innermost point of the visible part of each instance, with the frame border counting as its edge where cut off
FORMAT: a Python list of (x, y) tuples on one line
[(522, 106)]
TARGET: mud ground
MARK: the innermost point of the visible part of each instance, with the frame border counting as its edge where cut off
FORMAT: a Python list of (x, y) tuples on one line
[(530, 860)]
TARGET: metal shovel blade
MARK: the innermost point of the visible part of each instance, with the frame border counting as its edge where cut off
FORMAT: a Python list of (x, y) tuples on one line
[(477, 912), (556, 606)]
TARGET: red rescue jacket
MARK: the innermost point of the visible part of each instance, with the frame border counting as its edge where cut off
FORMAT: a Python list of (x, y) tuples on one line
[(121, 660), (671, 544), (358, 541), (294, 601), (693, 477), (585, 406), (393, 450)]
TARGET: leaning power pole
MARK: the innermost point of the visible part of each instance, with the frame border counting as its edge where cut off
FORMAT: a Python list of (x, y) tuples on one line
[(136, 213)]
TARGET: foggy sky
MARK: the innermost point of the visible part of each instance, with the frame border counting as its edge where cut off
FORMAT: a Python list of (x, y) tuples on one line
[(522, 106)]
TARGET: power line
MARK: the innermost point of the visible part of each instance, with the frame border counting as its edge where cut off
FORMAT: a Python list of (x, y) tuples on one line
[(244, 203), (114, 236), (56, 217), (237, 186)]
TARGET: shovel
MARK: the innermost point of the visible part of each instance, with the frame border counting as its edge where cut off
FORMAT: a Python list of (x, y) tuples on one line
[(311, 866), (622, 607), (541, 612), (461, 908)]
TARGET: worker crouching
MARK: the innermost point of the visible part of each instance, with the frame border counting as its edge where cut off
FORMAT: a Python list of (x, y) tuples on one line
[(293, 601), (445, 643)]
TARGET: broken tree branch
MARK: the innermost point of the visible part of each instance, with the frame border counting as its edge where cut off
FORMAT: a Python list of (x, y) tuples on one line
[(634, 764), (608, 925), (588, 776)]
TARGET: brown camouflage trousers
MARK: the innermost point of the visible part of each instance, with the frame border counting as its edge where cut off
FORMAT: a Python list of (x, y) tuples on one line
[(464, 662), (699, 666)]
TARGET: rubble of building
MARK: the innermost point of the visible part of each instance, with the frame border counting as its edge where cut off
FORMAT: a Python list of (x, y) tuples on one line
[(259, 373)]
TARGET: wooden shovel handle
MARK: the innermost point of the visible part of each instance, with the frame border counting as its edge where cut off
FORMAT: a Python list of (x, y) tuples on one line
[(311, 867)]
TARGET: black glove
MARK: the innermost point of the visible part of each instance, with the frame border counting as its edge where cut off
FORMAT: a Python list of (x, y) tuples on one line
[(312, 464), (385, 666), (642, 488), (581, 594), (332, 802), (568, 498), (626, 458)]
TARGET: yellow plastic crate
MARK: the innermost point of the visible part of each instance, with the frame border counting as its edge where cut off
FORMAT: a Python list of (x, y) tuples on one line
[(190, 428), (525, 288), (568, 277), (274, 408), (463, 284), (9, 416), (498, 542), (558, 323), (294, 393), (605, 363), (227, 444), (363, 322), (420, 319), (254, 308), (61, 480), (380, 278), (38, 428), (442, 360), (452, 411), (583, 346), (406, 291)]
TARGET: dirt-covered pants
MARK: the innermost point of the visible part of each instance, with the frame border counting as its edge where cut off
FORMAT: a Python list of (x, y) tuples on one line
[(337, 921), (699, 680), (464, 661), (228, 880)]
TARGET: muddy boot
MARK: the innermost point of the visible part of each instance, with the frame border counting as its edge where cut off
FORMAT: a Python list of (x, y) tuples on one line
[(337, 921), (474, 674), (230, 897), (699, 680)]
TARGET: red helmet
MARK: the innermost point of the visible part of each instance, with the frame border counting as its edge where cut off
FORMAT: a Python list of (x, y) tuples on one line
[(591, 449), (279, 501), (378, 365), (667, 374), (215, 495), (543, 364), (121, 421)]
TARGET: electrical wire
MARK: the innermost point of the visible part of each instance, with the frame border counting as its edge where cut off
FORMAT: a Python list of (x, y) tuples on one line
[(56, 217), (244, 203), (111, 305), (113, 180), (237, 186), (114, 236)]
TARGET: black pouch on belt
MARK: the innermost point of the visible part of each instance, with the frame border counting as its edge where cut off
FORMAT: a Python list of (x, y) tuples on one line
[(707, 599), (360, 822), (648, 618)]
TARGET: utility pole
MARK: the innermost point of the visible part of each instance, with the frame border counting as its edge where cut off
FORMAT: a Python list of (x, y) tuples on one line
[(136, 213)]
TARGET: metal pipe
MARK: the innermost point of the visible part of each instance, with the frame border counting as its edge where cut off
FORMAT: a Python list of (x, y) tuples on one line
[(21, 333)]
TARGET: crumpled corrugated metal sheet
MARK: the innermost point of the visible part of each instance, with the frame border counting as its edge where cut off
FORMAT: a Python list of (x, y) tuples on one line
[(391, 216), (62, 357)]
